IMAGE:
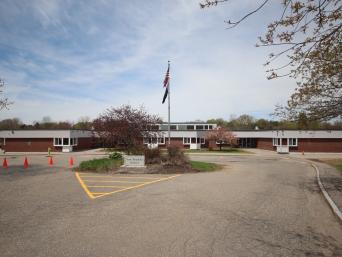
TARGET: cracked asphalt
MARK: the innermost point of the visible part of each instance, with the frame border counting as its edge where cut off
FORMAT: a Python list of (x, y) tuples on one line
[(256, 206)]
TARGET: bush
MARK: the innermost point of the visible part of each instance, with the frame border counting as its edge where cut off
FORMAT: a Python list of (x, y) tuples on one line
[(176, 156), (99, 165), (152, 156), (136, 150), (115, 156)]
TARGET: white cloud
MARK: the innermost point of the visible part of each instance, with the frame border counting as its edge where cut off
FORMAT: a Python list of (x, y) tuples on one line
[(112, 53)]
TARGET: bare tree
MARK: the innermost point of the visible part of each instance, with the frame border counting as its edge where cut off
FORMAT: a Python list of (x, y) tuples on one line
[(221, 137), (83, 123), (126, 127), (4, 102), (309, 34)]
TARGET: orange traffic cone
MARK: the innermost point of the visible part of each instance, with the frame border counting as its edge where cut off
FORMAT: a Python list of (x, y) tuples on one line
[(4, 164), (71, 161), (50, 161), (25, 163)]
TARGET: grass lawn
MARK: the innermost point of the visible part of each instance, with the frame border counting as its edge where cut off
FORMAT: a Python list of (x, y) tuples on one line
[(204, 166), (99, 165), (224, 150), (337, 163)]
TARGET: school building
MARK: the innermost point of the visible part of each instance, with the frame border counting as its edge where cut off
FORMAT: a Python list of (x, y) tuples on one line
[(190, 135), (193, 136), (42, 140)]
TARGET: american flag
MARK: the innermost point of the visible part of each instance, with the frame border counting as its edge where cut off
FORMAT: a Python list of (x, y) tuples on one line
[(166, 82)]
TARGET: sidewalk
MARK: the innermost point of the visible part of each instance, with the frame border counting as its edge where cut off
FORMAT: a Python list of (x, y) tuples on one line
[(332, 182), (75, 153)]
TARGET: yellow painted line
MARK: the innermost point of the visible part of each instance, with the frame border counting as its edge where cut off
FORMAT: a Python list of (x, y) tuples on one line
[(108, 176), (137, 186), (107, 186), (91, 196), (115, 181), (100, 194)]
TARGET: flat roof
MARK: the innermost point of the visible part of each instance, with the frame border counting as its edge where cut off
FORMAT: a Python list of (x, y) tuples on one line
[(45, 133)]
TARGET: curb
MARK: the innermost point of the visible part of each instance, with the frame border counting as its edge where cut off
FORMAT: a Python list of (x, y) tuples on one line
[(333, 206)]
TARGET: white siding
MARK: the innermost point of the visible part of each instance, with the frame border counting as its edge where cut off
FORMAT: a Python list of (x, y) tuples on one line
[(44, 133), (289, 134)]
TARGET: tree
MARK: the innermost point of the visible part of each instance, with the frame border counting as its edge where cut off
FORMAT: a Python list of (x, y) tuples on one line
[(126, 127), (219, 121), (83, 123), (10, 124), (309, 35), (221, 137), (244, 121), (4, 102)]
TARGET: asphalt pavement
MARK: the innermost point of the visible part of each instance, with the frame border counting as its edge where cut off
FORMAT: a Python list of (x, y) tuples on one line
[(258, 205)]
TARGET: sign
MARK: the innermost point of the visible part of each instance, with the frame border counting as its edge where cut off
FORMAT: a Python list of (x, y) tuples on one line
[(134, 161)]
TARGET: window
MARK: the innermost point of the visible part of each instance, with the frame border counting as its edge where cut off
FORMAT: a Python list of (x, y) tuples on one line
[(65, 141), (193, 140), (186, 140), (210, 126), (58, 141), (202, 140), (206, 127), (154, 140), (161, 140), (190, 127), (173, 127), (276, 141), (199, 127), (292, 142)]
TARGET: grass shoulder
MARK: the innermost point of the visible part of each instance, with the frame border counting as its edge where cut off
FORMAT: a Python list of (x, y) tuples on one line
[(205, 166), (337, 163), (224, 150), (100, 165)]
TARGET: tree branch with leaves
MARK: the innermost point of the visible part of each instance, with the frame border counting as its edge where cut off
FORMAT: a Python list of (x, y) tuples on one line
[(4, 102), (308, 35)]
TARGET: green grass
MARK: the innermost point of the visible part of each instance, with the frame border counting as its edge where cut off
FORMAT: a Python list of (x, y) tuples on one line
[(204, 166), (339, 167), (99, 165), (224, 150), (337, 163)]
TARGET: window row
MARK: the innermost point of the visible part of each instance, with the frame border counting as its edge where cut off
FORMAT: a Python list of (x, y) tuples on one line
[(62, 141), (164, 127), (193, 140), (290, 142), (199, 127), (154, 140)]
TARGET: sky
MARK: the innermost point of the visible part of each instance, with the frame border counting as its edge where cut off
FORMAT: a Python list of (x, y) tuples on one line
[(68, 59)]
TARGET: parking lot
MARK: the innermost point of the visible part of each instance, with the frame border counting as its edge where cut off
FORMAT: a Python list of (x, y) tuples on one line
[(96, 185), (255, 206)]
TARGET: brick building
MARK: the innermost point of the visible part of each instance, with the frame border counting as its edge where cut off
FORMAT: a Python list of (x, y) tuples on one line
[(193, 135), (41, 140), (188, 135)]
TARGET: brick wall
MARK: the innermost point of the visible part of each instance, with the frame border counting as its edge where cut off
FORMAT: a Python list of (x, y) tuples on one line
[(29, 145), (84, 143), (318, 145), (306, 145), (265, 143)]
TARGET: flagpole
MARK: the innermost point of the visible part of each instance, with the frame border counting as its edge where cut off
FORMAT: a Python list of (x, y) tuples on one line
[(168, 99)]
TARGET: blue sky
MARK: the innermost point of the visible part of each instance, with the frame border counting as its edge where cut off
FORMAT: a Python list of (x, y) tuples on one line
[(68, 59)]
